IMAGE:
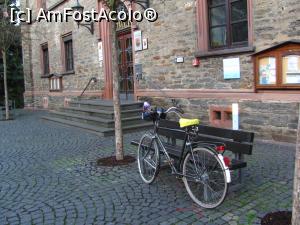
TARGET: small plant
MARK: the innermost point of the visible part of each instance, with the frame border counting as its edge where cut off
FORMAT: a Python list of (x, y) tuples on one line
[(251, 217)]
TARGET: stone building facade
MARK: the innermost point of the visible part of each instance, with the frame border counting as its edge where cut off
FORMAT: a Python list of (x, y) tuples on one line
[(202, 33)]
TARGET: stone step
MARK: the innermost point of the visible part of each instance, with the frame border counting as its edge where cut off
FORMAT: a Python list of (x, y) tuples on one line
[(104, 132), (97, 121), (104, 105), (106, 114), (98, 115)]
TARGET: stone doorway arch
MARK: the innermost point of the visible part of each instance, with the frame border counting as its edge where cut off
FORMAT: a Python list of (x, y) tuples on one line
[(110, 48)]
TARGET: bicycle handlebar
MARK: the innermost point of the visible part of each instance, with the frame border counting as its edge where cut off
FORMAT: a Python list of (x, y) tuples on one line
[(159, 113), (175, 110)]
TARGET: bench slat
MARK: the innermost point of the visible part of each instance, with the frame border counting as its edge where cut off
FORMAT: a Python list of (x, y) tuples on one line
[(236, 147), (135, 142), (236, 141), (237, 164), (177, 134), (175, 152), (236, 135)]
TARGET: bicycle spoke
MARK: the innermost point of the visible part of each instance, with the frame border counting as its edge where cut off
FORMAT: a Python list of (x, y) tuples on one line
[(208, 189), (152, 164), (213, 192), (148, 159)]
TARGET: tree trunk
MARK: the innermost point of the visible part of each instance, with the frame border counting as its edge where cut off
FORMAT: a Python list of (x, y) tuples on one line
[(116, 99), (5, 85), (296, 197)]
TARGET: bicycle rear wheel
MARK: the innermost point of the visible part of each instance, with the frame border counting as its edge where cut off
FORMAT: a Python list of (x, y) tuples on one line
[(148, 158), (204, 178)]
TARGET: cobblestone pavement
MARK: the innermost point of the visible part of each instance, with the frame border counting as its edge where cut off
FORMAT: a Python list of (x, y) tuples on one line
[(48, 176)]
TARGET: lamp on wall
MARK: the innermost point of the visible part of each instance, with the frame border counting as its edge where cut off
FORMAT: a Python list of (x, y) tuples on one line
[(93, 80), (79, 8)]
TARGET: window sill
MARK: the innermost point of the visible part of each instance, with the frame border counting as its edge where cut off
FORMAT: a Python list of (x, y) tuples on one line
[(46, 76), (55, 90), (224, 52), (71, 72), (281, 88)]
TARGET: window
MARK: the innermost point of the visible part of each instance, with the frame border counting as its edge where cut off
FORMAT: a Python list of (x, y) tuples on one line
[(291, 69), (68, 53), (278, 67), (55, 83), (224, 27), (45, 59), (228, 23)]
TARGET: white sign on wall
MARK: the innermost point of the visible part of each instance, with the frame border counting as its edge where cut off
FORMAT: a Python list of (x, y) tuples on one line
[(145, 43), (231, 68), (235, 116), (137, 36)]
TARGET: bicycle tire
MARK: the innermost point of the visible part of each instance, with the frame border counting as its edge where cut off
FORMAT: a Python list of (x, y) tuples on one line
[(148, 164), (210, 180)]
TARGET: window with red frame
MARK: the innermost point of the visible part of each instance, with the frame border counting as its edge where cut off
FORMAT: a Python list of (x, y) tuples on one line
[(224, 27), (228, 23), (68, 53)]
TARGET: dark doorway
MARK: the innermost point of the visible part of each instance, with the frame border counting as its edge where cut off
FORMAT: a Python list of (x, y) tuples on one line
[(125, 62)]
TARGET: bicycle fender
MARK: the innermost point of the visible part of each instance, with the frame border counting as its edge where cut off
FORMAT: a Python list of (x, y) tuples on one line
[(227, 172)]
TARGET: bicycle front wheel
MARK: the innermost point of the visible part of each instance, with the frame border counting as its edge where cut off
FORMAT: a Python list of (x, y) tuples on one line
[(204, 178), (148, 158)]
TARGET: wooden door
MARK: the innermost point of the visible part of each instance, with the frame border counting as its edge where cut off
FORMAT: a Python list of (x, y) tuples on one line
[(125, 62)]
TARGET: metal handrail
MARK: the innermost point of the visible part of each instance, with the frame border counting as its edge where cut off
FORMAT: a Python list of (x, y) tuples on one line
[(94, 79), (11, 109)]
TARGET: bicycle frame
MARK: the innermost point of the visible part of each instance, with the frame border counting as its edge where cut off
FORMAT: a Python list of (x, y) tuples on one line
[(199, 162), (186, 144)]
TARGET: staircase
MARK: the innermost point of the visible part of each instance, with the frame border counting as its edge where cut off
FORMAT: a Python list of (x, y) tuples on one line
[(98, 116)]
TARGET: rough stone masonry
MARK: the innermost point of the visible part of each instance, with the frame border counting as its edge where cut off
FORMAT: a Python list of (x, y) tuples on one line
[(174, 34)]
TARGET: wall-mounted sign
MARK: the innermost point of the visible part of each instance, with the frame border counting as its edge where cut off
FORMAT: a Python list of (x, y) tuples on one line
[(138, 45), (231, 68), (179, 59), (138, 71), (267, 70), (145, 43)]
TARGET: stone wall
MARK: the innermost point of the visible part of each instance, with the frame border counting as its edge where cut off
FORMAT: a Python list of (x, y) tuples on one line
[(85, 51), (174, 34), (268, 120)]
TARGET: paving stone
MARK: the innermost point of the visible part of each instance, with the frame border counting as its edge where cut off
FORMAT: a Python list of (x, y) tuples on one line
[(48, 176)]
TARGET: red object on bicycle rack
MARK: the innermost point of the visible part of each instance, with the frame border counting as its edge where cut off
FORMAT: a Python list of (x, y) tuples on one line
[(220, 148), (227, 161)]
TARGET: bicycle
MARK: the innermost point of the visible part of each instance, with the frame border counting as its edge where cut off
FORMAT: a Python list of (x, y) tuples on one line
[(202, 167)]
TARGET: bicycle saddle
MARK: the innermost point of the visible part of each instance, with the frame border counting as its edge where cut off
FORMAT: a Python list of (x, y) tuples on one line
[(188, 122)]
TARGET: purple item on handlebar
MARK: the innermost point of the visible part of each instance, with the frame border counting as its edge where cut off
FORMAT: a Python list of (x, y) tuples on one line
[(146, 106)]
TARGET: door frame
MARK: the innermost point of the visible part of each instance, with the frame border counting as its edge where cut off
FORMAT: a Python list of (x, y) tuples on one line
[(105, 28)]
